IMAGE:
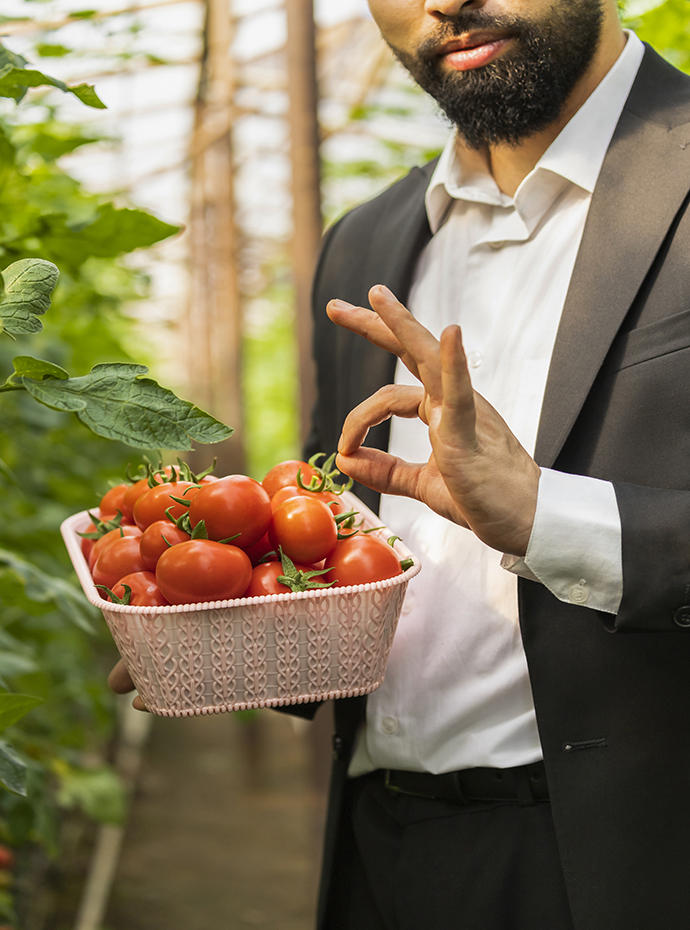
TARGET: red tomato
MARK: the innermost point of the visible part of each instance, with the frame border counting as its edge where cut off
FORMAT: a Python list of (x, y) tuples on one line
[(145, 590), (285, 473), (111, 502), (362, 559), (305, 528), (152, 544), (6, 858), (131, 496), (260, 549), (121, 557), (202, 570), (328, 497), (265, 579), (152, 504), (109, 537), (232, 505)]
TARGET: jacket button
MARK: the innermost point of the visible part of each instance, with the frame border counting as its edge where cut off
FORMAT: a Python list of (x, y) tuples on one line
[(681, 617), (338, 747)]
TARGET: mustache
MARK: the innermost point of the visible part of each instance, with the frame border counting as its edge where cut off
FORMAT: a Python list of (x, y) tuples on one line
[(468, 21)]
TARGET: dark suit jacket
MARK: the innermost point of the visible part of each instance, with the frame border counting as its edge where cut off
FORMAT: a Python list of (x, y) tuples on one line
[(612, 694)]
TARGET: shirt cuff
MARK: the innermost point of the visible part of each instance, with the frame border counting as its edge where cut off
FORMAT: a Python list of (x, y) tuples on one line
[(575, 546)]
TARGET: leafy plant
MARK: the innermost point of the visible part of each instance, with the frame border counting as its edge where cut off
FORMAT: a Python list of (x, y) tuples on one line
[(56, 714)]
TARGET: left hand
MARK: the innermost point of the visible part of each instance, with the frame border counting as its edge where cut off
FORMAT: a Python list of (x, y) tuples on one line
[(120, 681), (478, 475)]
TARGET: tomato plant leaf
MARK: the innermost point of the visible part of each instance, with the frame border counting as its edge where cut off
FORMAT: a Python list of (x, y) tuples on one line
[(110, 233), (12, 769), (27, 286), (44, 589), (14, 706), (116, 401), (16, 79), (37, 368)]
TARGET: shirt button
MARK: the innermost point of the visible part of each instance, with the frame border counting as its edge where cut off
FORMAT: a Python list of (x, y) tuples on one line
[(578, 593), (389, 725), (475, 359), (497, 245)]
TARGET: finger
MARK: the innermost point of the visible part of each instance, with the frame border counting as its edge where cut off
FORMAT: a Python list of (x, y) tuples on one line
[(458, 422), (394, 399), (420, 348), (365, 323), (381, 471), (138, 704), (119, 680)]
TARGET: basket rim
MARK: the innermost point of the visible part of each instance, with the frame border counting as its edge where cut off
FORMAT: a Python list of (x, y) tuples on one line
[(70, 527)]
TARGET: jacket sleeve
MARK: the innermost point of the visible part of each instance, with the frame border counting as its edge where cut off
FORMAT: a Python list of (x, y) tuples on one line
[(655, 527)]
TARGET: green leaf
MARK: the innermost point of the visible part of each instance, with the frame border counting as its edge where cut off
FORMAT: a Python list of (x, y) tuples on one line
[(28, 285), (10, 59), (37, 368), (44, 588), (15, 81), (14, 706), (99, 792), (12, 770), (111, 233), (52, 50), (115, 401)]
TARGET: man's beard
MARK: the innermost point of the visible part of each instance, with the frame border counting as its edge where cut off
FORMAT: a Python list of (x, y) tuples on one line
[(519, 93)]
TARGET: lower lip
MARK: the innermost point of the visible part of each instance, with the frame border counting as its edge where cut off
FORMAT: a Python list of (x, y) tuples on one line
[(465, 59)]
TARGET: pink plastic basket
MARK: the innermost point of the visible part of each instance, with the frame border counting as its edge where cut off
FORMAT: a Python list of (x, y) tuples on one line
[(254, 652)]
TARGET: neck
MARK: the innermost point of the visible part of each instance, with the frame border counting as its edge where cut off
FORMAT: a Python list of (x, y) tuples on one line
[(510, 164)]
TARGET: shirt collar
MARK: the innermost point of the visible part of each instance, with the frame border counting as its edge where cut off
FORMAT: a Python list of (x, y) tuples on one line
[(576, 154)]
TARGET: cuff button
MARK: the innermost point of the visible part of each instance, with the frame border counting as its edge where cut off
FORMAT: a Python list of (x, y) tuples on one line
[(578, 593), (681, 617)]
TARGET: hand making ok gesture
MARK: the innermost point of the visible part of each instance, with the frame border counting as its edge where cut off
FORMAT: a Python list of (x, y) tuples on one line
[(478, 475)]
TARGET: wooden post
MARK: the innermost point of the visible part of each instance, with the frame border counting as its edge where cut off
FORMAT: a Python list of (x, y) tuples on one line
[(215, 320), (306, 183)]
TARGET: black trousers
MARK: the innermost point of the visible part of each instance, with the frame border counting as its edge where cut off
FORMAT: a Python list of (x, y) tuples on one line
[(435, 865)]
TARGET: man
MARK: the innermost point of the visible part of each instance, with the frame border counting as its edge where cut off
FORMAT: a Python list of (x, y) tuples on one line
[(554, 231)]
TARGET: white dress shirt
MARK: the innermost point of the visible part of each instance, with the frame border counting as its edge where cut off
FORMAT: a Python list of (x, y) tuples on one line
[(457, 691)]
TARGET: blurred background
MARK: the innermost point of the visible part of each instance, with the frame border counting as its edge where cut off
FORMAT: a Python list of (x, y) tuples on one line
[(234, 132)]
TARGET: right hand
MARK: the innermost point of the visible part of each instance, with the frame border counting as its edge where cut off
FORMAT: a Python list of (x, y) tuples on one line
[(120, 681)]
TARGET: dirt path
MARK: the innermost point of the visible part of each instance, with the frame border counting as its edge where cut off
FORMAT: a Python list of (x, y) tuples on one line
[(224, 829)]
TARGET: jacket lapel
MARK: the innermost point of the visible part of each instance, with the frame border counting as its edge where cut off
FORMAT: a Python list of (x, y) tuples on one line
[(644, 180)]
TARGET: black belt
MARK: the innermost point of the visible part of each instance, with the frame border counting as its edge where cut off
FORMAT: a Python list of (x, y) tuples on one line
[(525, 784)]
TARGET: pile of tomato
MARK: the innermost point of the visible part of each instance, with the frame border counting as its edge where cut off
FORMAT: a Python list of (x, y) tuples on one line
[(172, 537)]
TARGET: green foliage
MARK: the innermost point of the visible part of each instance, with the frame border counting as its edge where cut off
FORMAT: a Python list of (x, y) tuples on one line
[(665, 26), (16, 79), (55, 650)]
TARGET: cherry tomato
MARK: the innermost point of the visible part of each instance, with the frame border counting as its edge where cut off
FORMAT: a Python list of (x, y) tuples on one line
[(202, 570), (285, 473), (362, 559), (261, 549), (153, 543), (109, 537), (121, 557), (131, 496), (265, 579), (144, 588), (111, 502), (232, 505), (305, 528), (152, 504), (328, 497), (6, 857)]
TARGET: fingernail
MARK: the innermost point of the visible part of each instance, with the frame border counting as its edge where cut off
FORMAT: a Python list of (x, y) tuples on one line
[(341, 305)]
